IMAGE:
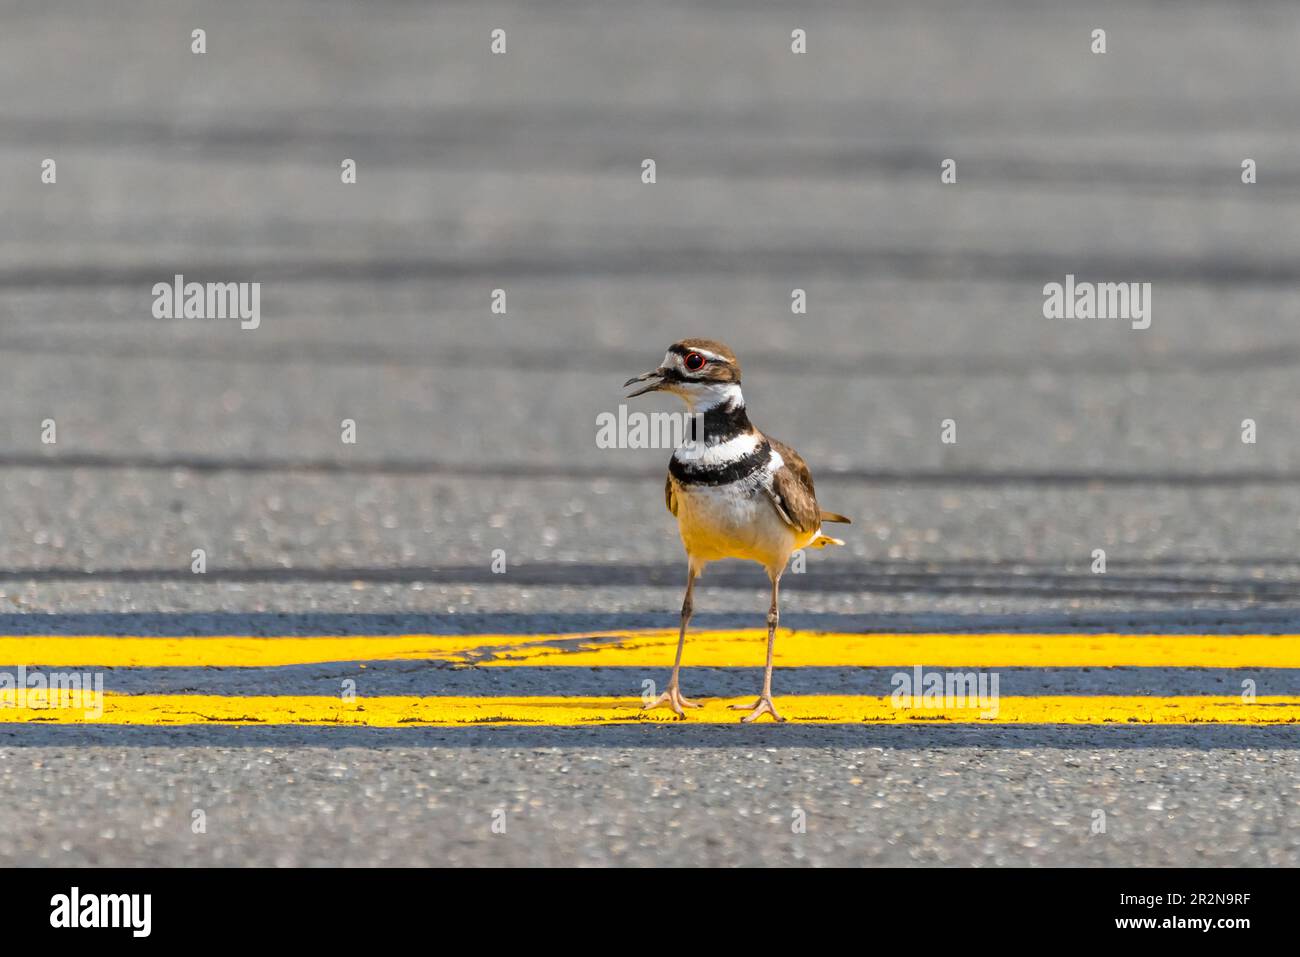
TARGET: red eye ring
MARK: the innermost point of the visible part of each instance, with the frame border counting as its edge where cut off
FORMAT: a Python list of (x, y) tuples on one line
[(695, 362)]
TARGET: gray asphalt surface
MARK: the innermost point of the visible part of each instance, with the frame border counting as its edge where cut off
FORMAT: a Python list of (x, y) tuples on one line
[(477, 431), (897, 803)]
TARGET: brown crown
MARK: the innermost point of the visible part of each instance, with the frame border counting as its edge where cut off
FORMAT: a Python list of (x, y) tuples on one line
[(730, 372)]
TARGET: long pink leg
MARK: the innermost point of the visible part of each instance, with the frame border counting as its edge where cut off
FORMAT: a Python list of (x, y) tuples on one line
[(672, 697)]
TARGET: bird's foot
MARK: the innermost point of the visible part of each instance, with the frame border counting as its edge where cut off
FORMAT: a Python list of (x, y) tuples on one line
[(760, 707), (671, 698)]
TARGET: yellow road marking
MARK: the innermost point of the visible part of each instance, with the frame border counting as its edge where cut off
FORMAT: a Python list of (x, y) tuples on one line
[(654, 649), (409, 711), (230, 651), (722, 649)]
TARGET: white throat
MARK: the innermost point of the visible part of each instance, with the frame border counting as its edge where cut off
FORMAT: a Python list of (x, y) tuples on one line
[(725, 395)]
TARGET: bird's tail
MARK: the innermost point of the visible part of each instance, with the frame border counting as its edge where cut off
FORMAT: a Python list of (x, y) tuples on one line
[(821, 541)]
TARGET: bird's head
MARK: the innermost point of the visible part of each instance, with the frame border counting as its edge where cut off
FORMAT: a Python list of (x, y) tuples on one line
[(703, 372)]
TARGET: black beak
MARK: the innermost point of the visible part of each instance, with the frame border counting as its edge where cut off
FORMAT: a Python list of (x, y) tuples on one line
[(653, 380)]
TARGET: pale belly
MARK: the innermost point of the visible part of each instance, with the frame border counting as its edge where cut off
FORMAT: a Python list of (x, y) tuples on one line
[(719, 522)]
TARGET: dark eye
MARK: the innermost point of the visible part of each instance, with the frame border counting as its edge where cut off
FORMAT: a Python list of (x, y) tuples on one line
[(695, 362)]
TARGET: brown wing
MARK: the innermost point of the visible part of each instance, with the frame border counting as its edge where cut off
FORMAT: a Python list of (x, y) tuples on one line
[(792, 490), (669, 500)]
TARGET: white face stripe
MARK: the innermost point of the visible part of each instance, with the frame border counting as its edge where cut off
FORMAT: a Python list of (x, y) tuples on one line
[(702, 394), (673, 360)]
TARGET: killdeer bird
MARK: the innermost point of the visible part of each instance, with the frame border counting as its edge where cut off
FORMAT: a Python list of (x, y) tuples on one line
[(736, 493)]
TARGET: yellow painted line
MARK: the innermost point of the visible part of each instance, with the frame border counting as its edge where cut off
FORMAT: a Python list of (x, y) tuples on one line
[(406, 711), (654, 649), (228, 651), (728, 649)]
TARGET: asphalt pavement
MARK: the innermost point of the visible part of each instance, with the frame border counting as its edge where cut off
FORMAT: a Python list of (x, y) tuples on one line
[(476, 431)]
